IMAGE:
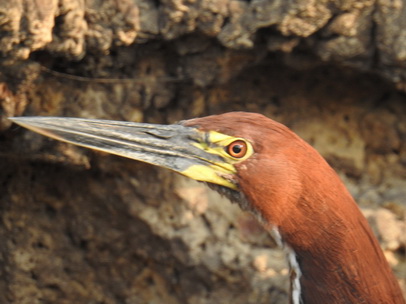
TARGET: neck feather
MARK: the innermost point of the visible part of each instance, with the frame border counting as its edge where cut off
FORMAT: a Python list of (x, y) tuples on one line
[(331, 245)]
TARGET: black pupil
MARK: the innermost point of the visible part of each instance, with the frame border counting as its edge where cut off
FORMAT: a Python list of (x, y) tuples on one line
[(237, 149)]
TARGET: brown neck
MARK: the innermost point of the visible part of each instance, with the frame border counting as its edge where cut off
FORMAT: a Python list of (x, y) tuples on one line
[(339, 258)]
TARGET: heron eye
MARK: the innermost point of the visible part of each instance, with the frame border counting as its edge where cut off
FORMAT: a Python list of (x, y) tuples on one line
[(237, 149)]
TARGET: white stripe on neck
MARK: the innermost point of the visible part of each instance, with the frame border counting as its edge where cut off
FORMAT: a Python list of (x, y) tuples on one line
[(293, 263)]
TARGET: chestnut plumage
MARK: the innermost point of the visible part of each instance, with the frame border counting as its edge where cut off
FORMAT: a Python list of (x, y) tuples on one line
[(270, 171), (294, 189)]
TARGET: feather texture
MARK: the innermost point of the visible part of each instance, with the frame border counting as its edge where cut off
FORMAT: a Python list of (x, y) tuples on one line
[(291, 187)]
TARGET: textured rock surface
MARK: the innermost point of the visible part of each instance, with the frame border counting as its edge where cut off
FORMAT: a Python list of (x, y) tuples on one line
[(83, 227), (368, 35)]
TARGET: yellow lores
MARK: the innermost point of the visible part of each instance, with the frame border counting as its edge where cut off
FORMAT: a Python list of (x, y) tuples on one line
[(231, 149)]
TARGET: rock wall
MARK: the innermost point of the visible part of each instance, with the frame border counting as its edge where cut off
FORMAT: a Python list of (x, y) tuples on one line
[(84, 227)]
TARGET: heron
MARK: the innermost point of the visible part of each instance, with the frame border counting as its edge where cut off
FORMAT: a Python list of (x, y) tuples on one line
[(271, 172)]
